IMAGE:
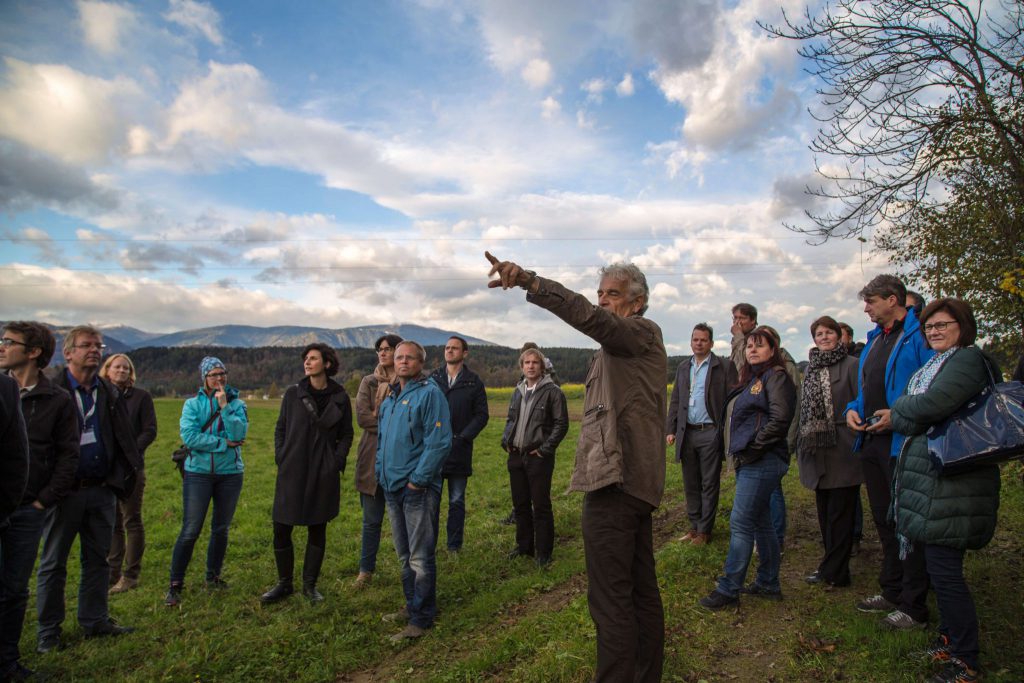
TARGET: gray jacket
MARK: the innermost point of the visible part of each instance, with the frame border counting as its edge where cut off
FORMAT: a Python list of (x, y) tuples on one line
[(838, 466)]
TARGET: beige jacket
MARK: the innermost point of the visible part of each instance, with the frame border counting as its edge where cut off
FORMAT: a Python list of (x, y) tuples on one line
[(621, 436)]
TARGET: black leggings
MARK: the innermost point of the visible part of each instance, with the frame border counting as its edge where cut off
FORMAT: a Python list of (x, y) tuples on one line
[(283, 535)]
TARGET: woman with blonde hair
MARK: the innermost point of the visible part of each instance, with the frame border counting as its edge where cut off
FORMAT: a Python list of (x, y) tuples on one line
[(129, 542)]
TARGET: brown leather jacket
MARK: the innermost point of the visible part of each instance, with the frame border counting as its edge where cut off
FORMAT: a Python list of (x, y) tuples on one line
[(622, 433)]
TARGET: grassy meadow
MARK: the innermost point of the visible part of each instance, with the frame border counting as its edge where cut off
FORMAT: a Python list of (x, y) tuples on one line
[(504, 620)]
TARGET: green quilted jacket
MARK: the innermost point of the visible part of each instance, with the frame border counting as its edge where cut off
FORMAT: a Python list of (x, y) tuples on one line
[(959, 510)]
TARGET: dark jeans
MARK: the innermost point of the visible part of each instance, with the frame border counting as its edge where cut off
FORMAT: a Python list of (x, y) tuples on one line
[(129, 540), (777, 505), (373, 516), (751, 521), (957, 617), (529, 477), (701, 457), (904, 582), (858, 519), (197, 492), (836, 508), (622, 588), (89, 514), (19, 545), (413, 515), (456, 510)]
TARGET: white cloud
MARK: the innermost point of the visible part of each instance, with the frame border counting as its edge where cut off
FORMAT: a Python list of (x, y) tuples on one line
[(550, 108), (625, 87), (104, 24), (594, 88), (537, 73), (73, 116), (197, 17)]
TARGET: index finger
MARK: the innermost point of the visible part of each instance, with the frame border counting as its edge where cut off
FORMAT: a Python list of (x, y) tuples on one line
[(492, 258)]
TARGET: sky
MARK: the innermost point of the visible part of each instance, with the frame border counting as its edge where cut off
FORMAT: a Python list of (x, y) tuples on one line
[(173, 164)]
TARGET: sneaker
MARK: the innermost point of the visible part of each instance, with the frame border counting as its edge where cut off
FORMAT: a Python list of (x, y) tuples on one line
[(876, 603), (49, 644), (901, 621), (108, 629), (955, 671), (402, 615), (939, 651), (758, 591), (716, 601), (173, 597), (216, 583), (410, 632)]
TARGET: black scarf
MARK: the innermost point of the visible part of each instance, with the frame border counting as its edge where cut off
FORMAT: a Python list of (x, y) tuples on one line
[(817, 425)]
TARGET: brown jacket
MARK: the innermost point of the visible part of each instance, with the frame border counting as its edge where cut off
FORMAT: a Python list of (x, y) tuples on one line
[(622, 439), (368, 399)]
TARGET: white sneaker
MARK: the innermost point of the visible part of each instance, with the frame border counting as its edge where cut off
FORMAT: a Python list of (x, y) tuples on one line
[(901, 621)]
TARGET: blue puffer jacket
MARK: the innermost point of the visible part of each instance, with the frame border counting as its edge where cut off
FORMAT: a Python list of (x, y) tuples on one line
[(210, 451), (414, 436), (909, 354)]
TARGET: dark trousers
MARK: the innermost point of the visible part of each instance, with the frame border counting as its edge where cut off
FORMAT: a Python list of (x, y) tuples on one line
[(129, 539), (19, 545), (836, 514), (701, 457), (903, 582), (529, 477), (622, 590), (957, 617)]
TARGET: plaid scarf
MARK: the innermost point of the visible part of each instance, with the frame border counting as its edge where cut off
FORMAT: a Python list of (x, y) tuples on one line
[(817, 421)]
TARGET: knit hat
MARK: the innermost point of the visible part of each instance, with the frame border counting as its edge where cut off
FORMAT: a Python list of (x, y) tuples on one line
[(207, 364)]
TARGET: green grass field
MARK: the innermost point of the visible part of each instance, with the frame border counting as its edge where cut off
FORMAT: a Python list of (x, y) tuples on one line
[(502, 620)]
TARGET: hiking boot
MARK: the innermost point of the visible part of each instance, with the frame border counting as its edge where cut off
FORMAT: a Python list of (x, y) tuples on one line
[(363, 580), (410, 632), (279, 592), (938, 652), (876, 603), (901, 621), (716, 601), (700, 539), (955, 671), (123, 585), (688, 536), (402, 615), (759, 591), (173, 597)]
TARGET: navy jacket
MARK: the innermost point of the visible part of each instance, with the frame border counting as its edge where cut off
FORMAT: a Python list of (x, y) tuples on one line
[(467, 403)]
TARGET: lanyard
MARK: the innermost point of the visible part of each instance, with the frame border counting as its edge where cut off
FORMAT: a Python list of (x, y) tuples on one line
[(86, 416)]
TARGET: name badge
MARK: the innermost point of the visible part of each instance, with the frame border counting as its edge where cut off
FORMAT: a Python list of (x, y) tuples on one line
[(88, 437), (693, 401)]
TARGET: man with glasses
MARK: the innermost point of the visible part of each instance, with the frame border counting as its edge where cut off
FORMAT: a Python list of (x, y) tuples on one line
[(894, 351), (25, 349), (107, 463)]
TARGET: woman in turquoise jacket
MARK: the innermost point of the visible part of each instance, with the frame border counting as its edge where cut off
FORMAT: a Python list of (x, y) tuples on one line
[(213, 426)]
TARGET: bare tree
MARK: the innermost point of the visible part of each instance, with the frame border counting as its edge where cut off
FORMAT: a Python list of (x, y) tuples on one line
[(903, 82)]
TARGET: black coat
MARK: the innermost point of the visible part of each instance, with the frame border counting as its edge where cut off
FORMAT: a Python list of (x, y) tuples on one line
[(13, 448), (310, 450), (547, 422), (142, 415), (116, 432), (721, 377), (53, 437), (467, 402)]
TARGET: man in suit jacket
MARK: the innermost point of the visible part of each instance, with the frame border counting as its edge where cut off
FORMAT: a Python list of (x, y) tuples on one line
[(696, 418)]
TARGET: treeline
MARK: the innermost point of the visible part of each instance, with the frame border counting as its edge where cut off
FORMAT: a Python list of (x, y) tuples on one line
[(271, 369)]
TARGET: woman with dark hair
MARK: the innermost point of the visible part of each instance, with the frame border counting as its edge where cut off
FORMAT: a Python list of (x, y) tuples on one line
[(372, 390), (951, 513), (824, 449), (129, 535), (213, 426), (765, 400), (311, 443)]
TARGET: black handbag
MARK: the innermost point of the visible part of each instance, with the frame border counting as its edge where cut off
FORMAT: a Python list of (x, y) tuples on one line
[(988, 429), (183, 452)]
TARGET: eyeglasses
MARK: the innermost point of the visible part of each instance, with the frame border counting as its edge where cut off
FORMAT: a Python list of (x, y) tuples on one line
[(385, 349), (939, 326), (216, 375), (7, 341), (92, 345)]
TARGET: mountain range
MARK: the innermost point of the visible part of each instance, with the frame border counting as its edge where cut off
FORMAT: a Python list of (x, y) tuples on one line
[(121, 338)]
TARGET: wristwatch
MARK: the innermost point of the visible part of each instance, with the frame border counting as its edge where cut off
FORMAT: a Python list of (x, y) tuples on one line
[(533, 276)]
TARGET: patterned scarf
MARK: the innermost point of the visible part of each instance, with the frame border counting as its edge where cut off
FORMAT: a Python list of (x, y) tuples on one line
[(817, 414)]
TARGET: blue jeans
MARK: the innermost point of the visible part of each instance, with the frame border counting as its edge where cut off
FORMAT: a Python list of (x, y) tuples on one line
[(751, 521), (413, 515), (19, 545), (456, 511), (197, 491), (373, 515), (89, 514), (778, 508)]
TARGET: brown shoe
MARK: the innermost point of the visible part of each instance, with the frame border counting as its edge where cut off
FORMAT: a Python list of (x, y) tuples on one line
[(700, 539), (363, 580), (688, 536), (123, 585), (410, 632)]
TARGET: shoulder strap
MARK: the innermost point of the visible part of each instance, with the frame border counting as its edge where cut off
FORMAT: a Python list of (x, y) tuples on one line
[(210, 421)]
